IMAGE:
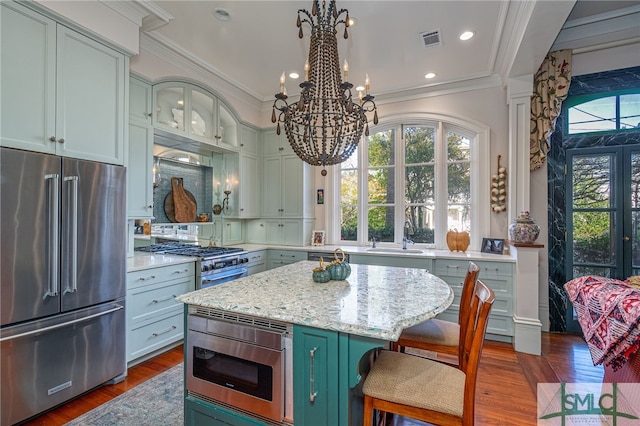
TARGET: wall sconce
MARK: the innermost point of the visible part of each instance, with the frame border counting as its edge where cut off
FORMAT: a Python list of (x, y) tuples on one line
[(217, 209)]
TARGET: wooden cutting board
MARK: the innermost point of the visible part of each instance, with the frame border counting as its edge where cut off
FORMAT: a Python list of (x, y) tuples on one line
[(180, 204)]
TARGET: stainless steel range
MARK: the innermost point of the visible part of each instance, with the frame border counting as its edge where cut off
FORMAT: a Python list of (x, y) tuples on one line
[(217, 264)]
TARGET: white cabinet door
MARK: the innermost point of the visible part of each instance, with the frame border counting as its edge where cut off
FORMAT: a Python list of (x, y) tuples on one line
[(292, 186), (273, 231), (90, 99), (249, 138), (140, 171), (232, 232), (82, 114), (256, 232), (140, 107), (27, 79), (272, 187), (249, 187)]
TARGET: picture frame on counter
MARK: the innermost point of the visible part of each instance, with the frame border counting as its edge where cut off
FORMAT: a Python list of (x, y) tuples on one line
[(317, 238), (492, 245)]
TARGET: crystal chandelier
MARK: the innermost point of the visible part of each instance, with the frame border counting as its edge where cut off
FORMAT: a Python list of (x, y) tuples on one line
[(325, 125)]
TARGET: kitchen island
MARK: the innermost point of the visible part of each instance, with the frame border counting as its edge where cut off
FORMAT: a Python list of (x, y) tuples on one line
[(334, 326)]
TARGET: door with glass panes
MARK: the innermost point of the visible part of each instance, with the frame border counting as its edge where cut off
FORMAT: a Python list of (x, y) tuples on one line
[(603, 216)]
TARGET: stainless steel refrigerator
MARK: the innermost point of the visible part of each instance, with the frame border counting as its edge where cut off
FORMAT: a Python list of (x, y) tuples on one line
[(63, 272)]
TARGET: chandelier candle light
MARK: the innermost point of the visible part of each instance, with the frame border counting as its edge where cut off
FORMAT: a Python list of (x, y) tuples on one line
[(325, 125)]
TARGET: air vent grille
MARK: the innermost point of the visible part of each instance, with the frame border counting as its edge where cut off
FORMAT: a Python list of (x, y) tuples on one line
[(266, 324), (431, 38)]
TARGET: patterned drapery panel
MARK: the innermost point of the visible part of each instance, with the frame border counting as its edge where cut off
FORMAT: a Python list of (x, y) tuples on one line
[(550, 88)]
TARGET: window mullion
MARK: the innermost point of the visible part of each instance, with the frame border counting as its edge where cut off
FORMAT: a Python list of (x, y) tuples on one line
[(440, 187), (363, 192)]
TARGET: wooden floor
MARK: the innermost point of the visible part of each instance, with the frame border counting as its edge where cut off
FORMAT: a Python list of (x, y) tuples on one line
[(506, 393)]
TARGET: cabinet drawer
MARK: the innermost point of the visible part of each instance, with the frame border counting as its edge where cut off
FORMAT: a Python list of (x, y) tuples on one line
[(257, 257), (287, 255), (458, 268), (495, 269), (155, 275), (503, 304), (156, 299), (498, 323), (155, 335)]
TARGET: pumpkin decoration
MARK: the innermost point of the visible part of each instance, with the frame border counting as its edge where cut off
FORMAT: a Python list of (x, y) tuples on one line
[(458, 241), (337, 269), (499, 189), (320, 274)]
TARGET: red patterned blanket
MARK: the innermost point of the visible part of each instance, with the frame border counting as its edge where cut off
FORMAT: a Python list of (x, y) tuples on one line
[(609, 314)]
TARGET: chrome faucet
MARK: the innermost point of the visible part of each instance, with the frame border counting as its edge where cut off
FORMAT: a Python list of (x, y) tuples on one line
[(373, 242), (405, 239)]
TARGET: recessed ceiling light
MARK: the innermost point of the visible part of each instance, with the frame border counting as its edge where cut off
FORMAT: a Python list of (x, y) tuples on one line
[(466, 35), (429, 75), (221, 14), (294, 75), (360, 88)]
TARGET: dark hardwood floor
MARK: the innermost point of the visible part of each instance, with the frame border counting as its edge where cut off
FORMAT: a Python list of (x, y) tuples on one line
[(506, 393)]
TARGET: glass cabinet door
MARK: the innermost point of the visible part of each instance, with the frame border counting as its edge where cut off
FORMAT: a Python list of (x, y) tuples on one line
[(170, 107), (202, 121), (227, 127)]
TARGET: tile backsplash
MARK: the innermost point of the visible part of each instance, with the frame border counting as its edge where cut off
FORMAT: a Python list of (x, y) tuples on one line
[(196, 179)]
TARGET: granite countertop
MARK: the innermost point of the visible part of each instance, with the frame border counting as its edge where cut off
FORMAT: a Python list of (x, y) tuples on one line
[(375, 301), (142, 260), (388, 251)]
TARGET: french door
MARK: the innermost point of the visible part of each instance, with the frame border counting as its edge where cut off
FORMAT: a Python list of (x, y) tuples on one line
[(603, 214)]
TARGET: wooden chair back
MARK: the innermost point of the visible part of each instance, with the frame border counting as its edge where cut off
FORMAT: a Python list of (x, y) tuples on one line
[(471, 345), (468, 288)]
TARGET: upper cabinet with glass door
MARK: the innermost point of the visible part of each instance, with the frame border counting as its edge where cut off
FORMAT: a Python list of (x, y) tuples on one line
[(188, 110)]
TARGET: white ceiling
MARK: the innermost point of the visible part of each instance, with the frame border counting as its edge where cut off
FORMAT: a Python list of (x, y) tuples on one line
[(260, 40)]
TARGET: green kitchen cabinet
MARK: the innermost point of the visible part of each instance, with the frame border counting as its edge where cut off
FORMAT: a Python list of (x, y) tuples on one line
[(62, 92), (187, 110), (328, 369), (201, 413), (497, 275), (315, 376)]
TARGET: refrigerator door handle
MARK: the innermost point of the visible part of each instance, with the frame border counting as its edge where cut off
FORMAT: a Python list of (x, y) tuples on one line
[(72, 284), (64, 324), (53, 286)]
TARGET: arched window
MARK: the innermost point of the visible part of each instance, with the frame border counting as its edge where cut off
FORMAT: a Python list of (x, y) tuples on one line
[(603, 112), (414, 180)]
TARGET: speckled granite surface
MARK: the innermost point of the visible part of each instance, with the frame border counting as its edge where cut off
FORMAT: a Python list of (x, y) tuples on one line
[(141, 261), (375, 301)]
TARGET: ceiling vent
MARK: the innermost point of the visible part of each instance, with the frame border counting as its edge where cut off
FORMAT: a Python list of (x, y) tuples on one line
[(431, 38)]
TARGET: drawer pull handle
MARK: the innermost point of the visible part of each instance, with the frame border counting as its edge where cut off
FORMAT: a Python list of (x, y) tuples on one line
[(455, 266), (146, 278), (168, 330), (184, 271), (164, 299), (312, 375)]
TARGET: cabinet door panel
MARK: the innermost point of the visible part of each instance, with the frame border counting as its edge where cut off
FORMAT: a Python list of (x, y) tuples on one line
[(90, 99), (315, 367), (249, 187), (140, 100), (140, 172), (271, 187), (292, 186), (27, 79)]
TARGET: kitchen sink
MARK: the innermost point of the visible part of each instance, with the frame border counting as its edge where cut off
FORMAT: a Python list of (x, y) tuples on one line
[(394, 250)]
